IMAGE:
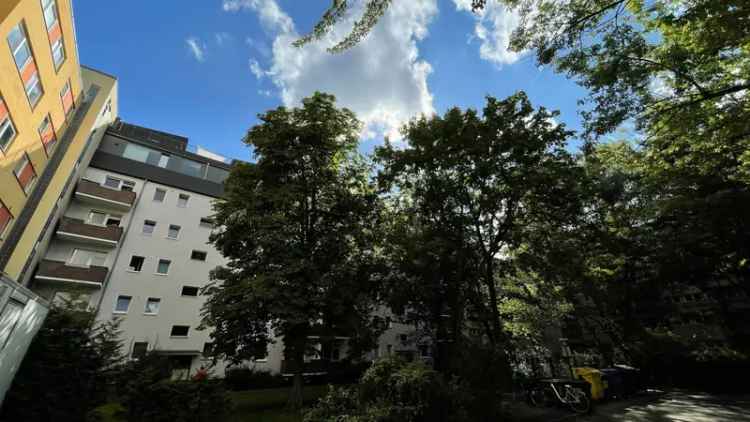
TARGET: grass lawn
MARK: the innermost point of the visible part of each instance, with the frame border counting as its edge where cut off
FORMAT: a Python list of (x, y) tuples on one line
[(268, 405), (250, 406)]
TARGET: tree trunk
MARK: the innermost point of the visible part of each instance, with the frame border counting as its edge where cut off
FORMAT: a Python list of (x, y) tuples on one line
[(295, 352), (295, 394)]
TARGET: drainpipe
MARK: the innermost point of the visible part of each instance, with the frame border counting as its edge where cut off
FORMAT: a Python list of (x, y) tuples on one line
[(119, 248)]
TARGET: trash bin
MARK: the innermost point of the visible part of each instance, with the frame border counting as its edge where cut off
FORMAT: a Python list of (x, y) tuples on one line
[(631, 379), (594, 377), (613, 381)]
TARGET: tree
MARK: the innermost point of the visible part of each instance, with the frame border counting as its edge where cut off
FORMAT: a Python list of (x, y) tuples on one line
[(476, 182), (67, 369), (297, 228)]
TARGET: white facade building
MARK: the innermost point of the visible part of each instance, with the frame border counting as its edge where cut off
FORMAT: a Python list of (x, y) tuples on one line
[(135, 241)]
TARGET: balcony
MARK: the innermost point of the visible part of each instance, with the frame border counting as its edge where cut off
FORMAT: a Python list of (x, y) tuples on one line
[(94, 193), (78, 231), (57, 271)]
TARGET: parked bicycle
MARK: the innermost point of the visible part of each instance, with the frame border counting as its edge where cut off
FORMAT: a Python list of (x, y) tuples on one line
[(571, 393)]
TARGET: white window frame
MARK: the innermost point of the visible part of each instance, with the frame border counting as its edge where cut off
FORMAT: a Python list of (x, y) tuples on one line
[(5, 125), (179, 197), (3, 230), (117, 300), (88, 261), (133, 349), (106, 215), (206, 222), (158, 262), (16, 172), (130, 268), (164, 160), (169, 230), (49, 4), (24, 41), (143, 232), (164, 197), (157, 300), (34, 82)]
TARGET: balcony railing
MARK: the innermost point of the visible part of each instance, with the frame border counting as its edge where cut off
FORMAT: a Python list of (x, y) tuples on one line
[(77, 230), (89, 191), (57, 271)]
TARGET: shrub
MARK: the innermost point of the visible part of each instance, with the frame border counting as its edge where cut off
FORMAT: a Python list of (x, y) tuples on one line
[(177, 401), (147, 393), (391, 391), (244, 378), (66, 370)]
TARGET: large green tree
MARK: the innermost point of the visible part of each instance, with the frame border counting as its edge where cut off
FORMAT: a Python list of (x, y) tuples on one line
[(475, 183), (297, 228)]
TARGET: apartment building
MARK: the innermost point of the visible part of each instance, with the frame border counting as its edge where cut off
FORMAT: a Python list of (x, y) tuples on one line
[(133, 244)]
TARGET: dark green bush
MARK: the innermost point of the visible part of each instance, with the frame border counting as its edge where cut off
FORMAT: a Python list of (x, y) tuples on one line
[(178, 401), (243, 378), (392, 391), (148, 394)]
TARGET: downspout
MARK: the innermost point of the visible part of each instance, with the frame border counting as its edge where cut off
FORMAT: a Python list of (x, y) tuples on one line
[(122, 243)]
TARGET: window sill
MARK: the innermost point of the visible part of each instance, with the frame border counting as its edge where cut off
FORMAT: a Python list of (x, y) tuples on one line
[(120, 312), (172, 238), (163, 275), (132, 271), (178, 336), (150, 314)]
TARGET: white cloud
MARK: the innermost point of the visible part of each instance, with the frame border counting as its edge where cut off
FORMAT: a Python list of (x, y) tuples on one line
[(493, 28), (196, 48), (258, 46), (265, 92), (256, 69), (222, 37), (383, 79)]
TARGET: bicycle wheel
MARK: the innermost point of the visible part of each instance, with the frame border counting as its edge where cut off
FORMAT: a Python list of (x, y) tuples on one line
[(579, 401)]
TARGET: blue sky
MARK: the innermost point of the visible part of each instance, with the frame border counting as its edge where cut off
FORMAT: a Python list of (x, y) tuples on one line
[(205, 71)]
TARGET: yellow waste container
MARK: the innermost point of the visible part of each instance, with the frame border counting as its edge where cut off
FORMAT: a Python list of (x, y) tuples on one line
[(593, 377)]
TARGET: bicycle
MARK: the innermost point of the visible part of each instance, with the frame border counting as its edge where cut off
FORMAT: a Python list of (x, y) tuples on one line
[(571, 393)]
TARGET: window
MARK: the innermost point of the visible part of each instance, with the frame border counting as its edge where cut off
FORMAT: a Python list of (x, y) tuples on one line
[(47, 134), (66, 96), (112, 182), (97, 218), (86, 258), (149, 227), (140, 348), (5, 218), (163, 266), (207, 222), (113, 221), (127, 186), (163, 160), (50, 13), (9, 319), (182, 200), (198, 255), (179, 331), (136, 263), (152, 306), (19, 46), (54, 32), (174, 231), (122, 304), (189, 291), (7, 130), (208, 348), (159, 195), (25, 173)]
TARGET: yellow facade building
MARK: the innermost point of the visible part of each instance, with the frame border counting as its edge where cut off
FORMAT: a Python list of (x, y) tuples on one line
[(52, 114)]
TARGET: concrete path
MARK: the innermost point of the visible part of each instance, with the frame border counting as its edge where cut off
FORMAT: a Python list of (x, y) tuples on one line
[(670, 407)]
